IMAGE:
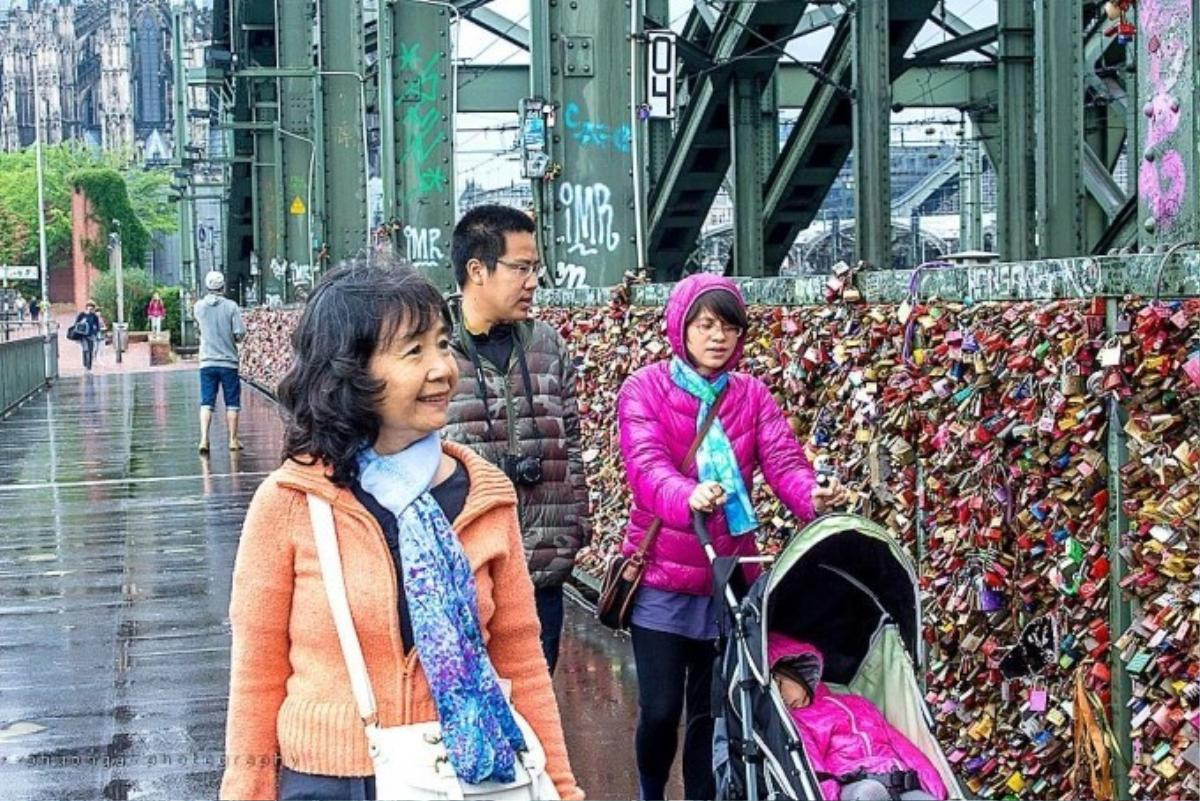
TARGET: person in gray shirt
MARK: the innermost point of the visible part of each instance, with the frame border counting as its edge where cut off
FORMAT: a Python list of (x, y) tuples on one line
[(221, 329)]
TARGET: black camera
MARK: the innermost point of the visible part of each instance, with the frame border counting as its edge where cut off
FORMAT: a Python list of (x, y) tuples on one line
[(522, 469)]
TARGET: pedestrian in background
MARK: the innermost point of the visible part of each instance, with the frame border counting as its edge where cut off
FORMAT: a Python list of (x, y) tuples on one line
[(22, 306), (35, 309), (516, 405), (86, 331), (155, 312), (221, 329), (434, 571)]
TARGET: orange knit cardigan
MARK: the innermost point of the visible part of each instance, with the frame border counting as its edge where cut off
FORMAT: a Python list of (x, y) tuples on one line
[(289, 691)]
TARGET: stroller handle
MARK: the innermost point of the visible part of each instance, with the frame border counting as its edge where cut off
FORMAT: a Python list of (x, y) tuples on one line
[(700, 526)]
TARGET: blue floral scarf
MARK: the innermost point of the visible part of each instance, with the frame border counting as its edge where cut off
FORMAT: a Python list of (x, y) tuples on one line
[(715, 459), (482, 738)]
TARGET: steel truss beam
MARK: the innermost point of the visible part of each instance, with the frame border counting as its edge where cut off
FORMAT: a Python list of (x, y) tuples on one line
[(498, 88), (700, 154), (821, 139), (955, 47), (510, 31)]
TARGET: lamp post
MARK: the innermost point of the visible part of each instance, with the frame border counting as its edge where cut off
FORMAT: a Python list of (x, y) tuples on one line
[(116, 262), (50, 353), (186, 233)]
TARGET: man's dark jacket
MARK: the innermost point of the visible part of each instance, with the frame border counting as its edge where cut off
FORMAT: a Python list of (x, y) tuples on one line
[(554, 514)]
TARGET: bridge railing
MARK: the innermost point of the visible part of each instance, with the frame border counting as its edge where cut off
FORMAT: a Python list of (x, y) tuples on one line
[(28, 361)]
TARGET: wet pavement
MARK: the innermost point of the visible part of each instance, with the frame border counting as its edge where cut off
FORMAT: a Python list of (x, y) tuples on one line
[(116, 550)]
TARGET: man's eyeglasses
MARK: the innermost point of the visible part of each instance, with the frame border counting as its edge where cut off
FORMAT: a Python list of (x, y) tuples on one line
[(709, 327), (524, 268)]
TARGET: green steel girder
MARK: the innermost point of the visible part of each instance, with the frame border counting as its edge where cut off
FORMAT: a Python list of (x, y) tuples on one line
[(871, 129), (343, 121), (1059, 135), (499, 25), (586, 208), (418, 146), (954, 47), (498, 88), (298, 156), (750, 144), (1014, 167), (821, 139), (700, 155)]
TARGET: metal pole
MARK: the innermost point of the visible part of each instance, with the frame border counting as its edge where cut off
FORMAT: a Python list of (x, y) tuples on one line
[(116, 261), (49, 350), (1119, 612), (387, 118), (186, 240), (41, 189)]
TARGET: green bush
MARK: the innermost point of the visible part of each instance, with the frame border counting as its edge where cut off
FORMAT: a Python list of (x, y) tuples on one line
[(138, 290), (171, 300)]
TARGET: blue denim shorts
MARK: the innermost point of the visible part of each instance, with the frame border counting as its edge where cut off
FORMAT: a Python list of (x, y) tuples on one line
[(227, 379)]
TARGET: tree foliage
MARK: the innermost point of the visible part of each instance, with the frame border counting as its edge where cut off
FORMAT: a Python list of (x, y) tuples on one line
[(140, 202), (138, 289)]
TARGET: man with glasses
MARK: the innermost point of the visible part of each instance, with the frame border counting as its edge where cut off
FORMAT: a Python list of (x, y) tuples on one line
[(515, 402)]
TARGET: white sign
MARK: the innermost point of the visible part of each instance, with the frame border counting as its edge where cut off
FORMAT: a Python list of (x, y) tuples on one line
[(18, 272), (660, 73)]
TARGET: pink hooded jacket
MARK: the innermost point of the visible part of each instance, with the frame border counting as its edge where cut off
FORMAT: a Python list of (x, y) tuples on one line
[(843, 732), (657, 422)]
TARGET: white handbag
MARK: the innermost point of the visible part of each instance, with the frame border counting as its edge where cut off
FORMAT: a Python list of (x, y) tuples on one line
[(411, 761)]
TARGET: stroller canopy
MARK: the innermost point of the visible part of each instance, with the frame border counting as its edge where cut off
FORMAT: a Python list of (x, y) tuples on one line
[(832, 586)]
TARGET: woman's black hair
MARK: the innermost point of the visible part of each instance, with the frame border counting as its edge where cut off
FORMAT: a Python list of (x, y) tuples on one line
[(723, 304), (329, 399)]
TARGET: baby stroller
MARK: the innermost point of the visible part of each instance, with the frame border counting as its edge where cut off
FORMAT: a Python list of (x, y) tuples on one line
[(844, 585)]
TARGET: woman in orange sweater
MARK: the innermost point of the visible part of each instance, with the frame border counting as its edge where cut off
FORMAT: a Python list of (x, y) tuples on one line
[(442, 609)]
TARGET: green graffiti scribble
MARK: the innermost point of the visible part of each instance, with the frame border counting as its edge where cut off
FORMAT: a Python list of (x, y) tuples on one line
[(407, 55), (422, 124)]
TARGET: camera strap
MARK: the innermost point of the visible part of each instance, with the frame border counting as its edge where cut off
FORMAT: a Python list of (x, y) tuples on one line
[(481, 379)]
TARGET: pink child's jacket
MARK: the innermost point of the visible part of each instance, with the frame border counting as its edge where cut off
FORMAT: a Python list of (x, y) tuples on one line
[(657, 422), (155, 308), (843, 732)]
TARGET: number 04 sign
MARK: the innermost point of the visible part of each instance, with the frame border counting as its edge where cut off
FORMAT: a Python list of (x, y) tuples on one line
[(660, 73)]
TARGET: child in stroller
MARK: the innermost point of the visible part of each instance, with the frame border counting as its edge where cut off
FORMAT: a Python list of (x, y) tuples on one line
[(854, 751)]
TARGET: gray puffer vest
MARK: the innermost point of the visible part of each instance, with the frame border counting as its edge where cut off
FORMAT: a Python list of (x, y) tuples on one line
[(554, 514)]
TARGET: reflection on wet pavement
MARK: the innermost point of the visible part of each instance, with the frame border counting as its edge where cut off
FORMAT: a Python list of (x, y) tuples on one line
[(118, 542), (596, 685), (116, 555)]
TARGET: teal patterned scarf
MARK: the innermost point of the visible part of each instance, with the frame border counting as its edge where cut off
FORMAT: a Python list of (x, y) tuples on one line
[(482, 738), (715, 459)]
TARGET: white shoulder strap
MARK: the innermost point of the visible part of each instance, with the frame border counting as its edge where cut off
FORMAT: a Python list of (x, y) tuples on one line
[(321, 515)]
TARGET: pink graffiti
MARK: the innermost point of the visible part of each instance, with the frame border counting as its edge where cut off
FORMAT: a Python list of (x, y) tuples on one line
[(1162, 180)]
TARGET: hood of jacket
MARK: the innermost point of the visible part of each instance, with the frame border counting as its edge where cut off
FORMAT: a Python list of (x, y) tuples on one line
[(213, 298), (683, 298), (805, 657)]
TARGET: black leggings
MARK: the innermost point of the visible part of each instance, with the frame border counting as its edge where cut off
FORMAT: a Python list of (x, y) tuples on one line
[(667, 666)]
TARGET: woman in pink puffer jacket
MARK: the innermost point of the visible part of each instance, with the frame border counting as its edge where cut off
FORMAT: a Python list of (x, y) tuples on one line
[(848, 742), (660, 409)]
